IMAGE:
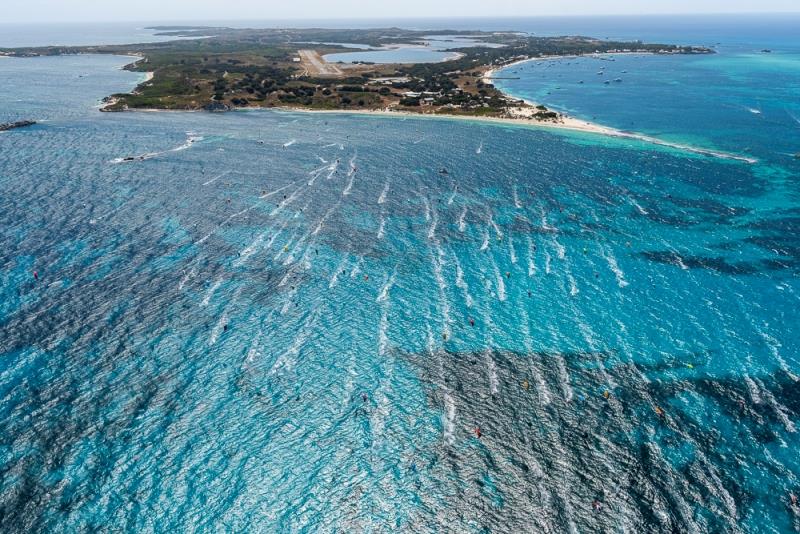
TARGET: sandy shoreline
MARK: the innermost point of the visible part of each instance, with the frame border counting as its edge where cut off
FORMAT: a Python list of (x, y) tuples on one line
[(565, 123), (571, 123), (519, 116)]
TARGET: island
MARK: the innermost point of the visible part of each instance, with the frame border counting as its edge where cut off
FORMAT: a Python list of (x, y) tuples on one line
[(220, 69), (12, 125)]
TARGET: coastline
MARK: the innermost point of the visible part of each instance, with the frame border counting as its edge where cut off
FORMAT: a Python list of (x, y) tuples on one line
[(487, 76), (519, 116), (567, 123)]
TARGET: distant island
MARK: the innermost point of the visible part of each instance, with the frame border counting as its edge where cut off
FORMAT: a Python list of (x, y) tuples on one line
[(220, 69), (4, 127)]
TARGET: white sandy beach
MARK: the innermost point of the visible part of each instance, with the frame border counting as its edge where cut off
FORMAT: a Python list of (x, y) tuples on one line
[(522, 117), (571, 123)]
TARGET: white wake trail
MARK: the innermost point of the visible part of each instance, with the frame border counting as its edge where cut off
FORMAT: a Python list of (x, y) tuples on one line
[(382, 228), (217, 177), (462, 225), (382, 198), (531, 257)]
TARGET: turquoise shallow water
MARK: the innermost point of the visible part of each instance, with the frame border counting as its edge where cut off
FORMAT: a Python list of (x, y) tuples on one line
[(740, 99), (285, 322)]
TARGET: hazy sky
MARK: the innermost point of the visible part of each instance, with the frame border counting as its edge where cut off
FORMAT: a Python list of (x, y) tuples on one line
[(163, 10)]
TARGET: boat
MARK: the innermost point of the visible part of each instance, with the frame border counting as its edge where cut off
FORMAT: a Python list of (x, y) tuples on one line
[(617, 80)]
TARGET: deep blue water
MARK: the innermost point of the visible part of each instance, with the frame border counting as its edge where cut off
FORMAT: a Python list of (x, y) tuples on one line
[(289, 322)]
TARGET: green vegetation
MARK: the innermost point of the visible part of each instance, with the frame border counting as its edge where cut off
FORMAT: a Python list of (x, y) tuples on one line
[(224, 68)]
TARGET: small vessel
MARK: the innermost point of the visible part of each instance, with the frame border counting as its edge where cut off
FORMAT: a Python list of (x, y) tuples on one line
[(767, 51), (443, 171), (606, 82), (618, 80)]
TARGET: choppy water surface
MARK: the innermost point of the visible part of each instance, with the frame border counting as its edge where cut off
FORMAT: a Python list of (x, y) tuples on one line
[(291, 322)]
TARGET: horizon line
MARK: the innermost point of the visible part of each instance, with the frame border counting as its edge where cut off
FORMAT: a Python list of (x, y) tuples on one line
[(406, 18)]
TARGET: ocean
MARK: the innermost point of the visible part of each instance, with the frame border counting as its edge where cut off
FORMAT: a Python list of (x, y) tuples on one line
[(291, 322)]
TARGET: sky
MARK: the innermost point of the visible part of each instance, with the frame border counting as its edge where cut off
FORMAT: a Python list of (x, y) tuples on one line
[(12, 11)]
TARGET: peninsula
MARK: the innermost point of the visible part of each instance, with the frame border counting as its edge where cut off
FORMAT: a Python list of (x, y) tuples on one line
[(219, 69)]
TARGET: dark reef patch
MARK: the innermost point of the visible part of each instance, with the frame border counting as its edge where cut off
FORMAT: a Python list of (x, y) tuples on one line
[(559, 431)]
